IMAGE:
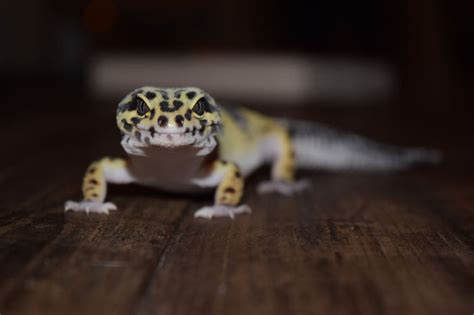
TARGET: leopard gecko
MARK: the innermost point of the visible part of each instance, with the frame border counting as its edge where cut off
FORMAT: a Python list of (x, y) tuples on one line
[(182, 140)]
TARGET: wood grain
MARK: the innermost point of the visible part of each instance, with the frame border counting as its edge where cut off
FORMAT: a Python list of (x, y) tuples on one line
[(400, 243)]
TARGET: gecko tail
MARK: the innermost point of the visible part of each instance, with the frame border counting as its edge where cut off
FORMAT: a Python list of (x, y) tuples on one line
[(320, 147)]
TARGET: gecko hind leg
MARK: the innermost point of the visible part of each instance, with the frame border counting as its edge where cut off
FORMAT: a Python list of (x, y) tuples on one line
[(283, 168)]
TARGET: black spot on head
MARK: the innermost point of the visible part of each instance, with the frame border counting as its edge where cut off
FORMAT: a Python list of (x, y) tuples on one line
[(237, 174), (179, 120), (135, 120), (165, 106), (164, 95), (92, 170), (152, 114), (177, 104), (138, 135), (177, 94), (126, 125), (162, 121), (191, 95), (201, 131), (208, 107), (95, 195), (203, 122), (152, 131), (132, 105), (187, 129), (93, 182), (150, 95), (189, 114)]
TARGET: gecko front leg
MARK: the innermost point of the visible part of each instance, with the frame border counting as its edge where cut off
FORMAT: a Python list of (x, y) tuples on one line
[(230, 187), (94, 186)]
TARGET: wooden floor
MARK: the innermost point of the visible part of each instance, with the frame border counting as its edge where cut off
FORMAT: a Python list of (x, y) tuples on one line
[(400, 243)]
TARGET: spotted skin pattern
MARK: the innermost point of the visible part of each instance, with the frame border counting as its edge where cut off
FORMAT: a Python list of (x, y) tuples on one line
[(180, 139), (230, 190), (94, 185)]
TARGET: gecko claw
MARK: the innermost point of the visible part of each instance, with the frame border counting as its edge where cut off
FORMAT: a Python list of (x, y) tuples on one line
[(89, 206), (221, 211)]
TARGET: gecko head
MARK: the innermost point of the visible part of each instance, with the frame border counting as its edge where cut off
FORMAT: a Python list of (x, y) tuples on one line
[(168, 117)]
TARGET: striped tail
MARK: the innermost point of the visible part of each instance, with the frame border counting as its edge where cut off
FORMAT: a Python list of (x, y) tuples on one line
[(318, 146)]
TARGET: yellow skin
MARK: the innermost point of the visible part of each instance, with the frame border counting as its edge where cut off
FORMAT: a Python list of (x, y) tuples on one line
[(180, 139)]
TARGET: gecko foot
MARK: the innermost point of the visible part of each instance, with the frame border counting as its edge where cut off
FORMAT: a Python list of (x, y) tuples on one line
[(284, 188), (89, 206), (221, 211)]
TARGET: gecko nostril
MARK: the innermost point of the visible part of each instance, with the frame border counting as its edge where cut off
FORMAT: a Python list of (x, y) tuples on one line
[(162, 121), (179, 120)]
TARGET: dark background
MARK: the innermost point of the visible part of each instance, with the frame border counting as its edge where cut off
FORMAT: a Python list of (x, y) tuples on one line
[(427, 42)]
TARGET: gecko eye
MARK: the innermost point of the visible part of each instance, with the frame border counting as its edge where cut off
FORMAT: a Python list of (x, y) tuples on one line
[(142, 107), (200, 106)]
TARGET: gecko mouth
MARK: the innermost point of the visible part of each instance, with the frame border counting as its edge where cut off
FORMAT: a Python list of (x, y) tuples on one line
[(181, 131), (174, 137), (213, 128)]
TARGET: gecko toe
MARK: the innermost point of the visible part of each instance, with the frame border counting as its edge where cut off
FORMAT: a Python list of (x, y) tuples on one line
[(210, 212), (89, 206)]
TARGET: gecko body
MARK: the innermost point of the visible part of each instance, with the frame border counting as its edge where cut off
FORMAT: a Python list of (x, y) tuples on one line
[(182, 140)]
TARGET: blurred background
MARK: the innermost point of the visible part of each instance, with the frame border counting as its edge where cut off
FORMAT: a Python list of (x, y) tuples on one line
[(398, 55)]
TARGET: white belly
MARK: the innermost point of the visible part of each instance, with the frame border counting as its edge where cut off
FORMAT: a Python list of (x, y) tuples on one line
[(169, 169)]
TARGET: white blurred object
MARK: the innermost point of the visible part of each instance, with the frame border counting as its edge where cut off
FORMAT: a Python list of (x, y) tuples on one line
[(276, 79)]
